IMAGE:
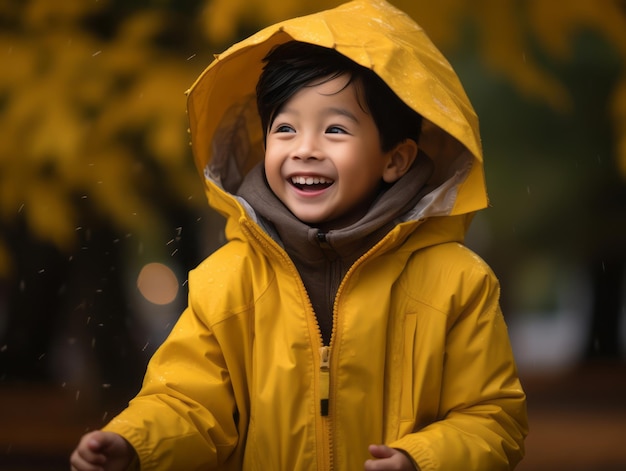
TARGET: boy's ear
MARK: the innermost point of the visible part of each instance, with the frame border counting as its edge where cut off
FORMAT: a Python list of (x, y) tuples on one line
[(400, 159)]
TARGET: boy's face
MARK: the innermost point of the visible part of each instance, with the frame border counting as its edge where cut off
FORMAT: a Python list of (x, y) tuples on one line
[(323, 155)]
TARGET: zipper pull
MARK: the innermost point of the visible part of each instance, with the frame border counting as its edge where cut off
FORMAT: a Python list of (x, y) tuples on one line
[(324, 379), (322, 240)]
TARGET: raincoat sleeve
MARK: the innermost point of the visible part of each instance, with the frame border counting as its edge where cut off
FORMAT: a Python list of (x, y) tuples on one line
[(482, 405), (184, 417)]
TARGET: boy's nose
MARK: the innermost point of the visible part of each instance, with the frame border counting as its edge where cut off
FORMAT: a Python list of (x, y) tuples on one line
[(307, 149)]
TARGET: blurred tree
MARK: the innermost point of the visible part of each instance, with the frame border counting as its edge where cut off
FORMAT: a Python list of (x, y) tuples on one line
[(95, 179), (92, 108)]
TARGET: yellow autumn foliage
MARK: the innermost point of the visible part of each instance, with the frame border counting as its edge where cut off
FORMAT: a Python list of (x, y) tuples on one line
[(74, 105), (69, 100)]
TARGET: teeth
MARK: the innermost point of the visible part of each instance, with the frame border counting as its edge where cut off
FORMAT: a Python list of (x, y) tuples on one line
[(309, 180)]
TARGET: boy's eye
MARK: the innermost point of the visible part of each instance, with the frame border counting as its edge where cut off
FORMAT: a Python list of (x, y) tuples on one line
[(283, 128), (335, 130)]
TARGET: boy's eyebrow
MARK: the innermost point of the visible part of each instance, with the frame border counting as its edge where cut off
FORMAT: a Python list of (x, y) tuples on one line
[(343, 112), (330, 111)]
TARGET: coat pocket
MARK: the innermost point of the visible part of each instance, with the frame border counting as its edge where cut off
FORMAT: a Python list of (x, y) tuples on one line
[(407, 404)]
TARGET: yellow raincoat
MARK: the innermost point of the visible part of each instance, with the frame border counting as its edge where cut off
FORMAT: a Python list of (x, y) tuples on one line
[(419, 358)]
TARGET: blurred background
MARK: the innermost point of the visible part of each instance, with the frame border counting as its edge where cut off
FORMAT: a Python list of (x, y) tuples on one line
[(102, 213)]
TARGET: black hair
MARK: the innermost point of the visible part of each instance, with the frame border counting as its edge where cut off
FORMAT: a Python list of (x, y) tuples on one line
[(293, 65)]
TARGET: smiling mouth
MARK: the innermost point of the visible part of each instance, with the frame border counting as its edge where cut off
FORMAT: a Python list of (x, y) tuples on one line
[(309, 183)]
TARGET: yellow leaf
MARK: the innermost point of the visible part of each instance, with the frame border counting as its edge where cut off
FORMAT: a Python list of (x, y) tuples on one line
[(142, 27), (556, 24), (220, 19), (49, 214), (43, 13), (115, 193), (17, 60)]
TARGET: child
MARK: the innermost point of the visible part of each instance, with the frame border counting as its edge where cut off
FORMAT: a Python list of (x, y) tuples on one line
[(344, 325)]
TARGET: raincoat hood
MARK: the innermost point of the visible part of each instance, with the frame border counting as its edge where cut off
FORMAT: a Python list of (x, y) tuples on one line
[(226, 134)]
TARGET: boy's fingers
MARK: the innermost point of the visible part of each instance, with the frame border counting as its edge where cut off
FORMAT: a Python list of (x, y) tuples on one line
[(380, 451), (80, 462), (92, 457), (88, 455), (96, 441)]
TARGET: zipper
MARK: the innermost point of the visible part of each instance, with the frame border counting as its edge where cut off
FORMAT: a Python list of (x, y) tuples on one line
[(324, 387), (324, 379), (325, 445)]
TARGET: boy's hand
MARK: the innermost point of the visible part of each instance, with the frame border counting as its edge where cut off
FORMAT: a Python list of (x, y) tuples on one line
[(102, 451), (388, 459)]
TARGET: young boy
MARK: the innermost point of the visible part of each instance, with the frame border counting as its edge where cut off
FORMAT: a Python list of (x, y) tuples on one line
[(344, 325)]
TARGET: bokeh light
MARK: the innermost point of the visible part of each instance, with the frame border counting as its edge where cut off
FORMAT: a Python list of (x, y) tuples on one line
[(157, 283)]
